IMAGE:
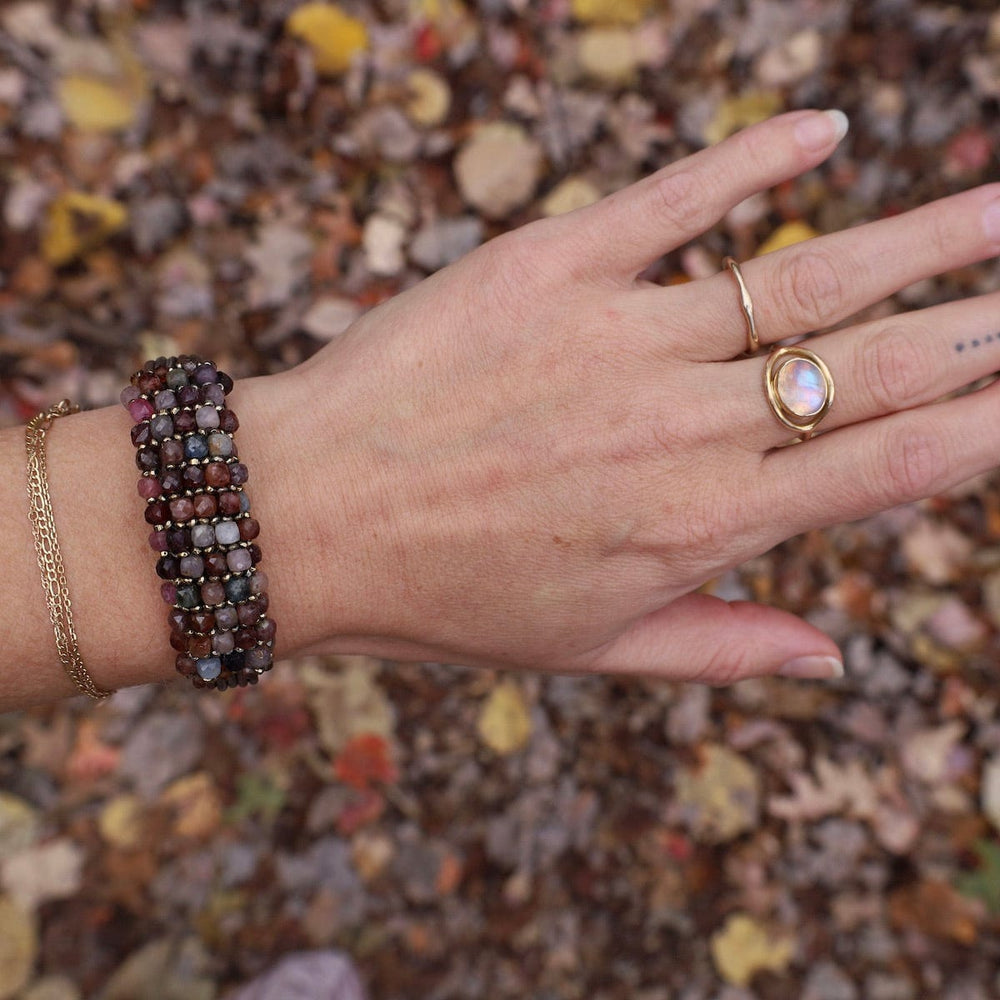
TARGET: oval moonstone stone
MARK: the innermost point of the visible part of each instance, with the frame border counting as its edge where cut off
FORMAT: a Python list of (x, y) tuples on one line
[(801, 386)]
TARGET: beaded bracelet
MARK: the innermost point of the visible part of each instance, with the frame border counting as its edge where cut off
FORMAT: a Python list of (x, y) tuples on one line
[(192, 482)]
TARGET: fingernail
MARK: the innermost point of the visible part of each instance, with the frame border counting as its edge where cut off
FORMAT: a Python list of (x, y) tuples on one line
[(813, 667), (819, 131), (991, 221)]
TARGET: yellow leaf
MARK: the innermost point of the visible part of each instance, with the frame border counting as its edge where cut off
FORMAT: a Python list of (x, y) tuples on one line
[(719, 794), (96, 105), (573, 193), (78, 222), (785, 236), (738, 112), (743, 948), (196, 800), (504, 723), (333, 36), (430, 97), (121, 822), (18, 946), (610, 11)]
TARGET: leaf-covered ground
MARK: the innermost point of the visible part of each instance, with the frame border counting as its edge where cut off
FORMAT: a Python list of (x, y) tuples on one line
[(245, 178)]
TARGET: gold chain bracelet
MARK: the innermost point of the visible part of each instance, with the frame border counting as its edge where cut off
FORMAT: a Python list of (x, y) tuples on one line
[(43, 527)]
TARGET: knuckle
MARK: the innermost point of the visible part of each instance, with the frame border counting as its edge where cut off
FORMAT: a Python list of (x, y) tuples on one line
[(511, 269), (914, 463), (810, 287), (680, 201), (898, 365)]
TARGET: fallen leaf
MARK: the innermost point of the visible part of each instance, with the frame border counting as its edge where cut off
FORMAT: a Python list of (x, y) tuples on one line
[(984, 882), (609, 54), (365, 760), (719, 797), (744, 947), (498, 168), (570, 194), (19, 824), (257, 795), (91, 758), (835, 789), (610, 11), (430, 96), (48, 871), (96, 105), (504, 722), (786, 235), (77, 222), (18, 947), (122, 821), (333, 36), (196, 800), (937, 909), (735, 113)]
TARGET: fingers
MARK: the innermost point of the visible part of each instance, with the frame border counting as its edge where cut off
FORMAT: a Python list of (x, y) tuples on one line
[(821, 281), (703, 638), (859, 470), (878, 368), (619, 236)]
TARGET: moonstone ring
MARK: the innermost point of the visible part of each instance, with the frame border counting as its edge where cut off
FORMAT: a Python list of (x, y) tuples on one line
[(799, 388)]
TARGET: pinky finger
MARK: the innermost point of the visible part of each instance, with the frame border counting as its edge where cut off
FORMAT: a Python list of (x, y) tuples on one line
[(868, 467)]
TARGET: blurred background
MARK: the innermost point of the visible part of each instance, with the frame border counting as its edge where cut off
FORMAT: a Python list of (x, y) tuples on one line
[(243, 179)]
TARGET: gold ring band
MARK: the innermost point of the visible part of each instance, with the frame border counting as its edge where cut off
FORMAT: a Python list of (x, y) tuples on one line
[(799, 388), (753, 341)]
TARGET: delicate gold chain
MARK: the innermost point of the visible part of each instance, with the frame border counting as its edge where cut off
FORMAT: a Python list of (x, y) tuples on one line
[(43, 527)]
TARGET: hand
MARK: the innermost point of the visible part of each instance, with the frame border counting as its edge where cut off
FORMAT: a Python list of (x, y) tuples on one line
[(531, 459)]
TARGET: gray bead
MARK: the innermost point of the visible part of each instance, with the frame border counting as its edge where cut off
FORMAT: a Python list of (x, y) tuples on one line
[(227, 532), (206, 416), (223, 642), (176, 378), (162, 425), (220, 444), (212, 393), (244, 502), (164, 399), (239, 560), (209, 667), (258, 657), (203, 535), (187, 595), (192, 566), (237, 589), (226, 617), (195, 446)]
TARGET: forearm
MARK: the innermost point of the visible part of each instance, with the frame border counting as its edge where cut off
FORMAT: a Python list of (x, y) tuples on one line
[(119, 615)]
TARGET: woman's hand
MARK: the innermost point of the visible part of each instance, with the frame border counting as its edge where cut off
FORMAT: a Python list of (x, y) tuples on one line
[(531, 459)]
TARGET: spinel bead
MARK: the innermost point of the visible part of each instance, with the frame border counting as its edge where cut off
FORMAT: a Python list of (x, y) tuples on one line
[(239, 560), (202, 535), (227, 617), (206, 416), (164, 399), (209, 667), (129, 393), (227, 532), (237, 589), (140, 409), (150, 487)]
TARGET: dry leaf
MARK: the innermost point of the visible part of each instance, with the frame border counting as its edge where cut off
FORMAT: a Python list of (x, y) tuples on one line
[(333, 36), (570, 194), (77, 222), (49, 871), (744, 947), (610, 11), (504, 723), (122, 821), (718, 798), (18, 947), (365, 761), (735, 113), (96, 105), (785, 236), (196, 800), (430, 96)]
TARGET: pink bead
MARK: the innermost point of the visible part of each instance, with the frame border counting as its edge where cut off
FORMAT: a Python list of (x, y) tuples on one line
[(168, 591), (150, 487), (140, 409), (158, 541)]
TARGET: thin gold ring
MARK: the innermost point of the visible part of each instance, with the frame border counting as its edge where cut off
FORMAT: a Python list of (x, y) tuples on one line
[(799, 388), (746, 303)]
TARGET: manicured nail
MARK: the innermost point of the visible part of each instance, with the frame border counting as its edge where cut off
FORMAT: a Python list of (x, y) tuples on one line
[(991, 221), (813, 667), (819, 131)]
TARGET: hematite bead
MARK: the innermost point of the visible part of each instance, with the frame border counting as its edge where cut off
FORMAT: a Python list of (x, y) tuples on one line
[(178, 539), (216, 563), (202, 621), (205, 505), (237, 473), (237, 589), (187, 595), (171, 451), (228, 421), (147, 459), (229, 502), (166, 567)]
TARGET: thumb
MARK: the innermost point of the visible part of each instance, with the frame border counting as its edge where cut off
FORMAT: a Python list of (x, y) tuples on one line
[(703, 638)]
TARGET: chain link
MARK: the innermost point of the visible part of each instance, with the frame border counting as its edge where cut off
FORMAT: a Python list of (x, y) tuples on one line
[(43, 527)]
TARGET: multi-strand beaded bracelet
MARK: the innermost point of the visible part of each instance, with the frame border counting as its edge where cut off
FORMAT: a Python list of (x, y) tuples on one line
[(192, 481)]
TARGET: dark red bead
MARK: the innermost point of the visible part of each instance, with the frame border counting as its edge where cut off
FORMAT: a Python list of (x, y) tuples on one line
[(212, 393), (172, 480), (147, 459), (245, 639), (166, 567), (148, 382), (249, 528), (158, 540), (177, 618), (186, 666), (263, 602), (265, 629), (225, 381), (248, 612), (141, 434), (212, 592), (187, 395), (157, 512), (184, 422), (215, 564), (229, 502), (202, 621), (216, 474), (179, 539), (171, 451), (181, 509), (228, 421), (255, 553), (205, 505), (194, 475), (199, 645), (204, 373), (179, 641), (237, 473)]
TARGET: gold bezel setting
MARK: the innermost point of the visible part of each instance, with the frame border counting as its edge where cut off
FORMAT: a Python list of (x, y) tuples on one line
[(775, 362)]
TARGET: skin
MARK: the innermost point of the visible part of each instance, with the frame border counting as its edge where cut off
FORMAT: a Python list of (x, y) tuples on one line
[(533, 459)]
